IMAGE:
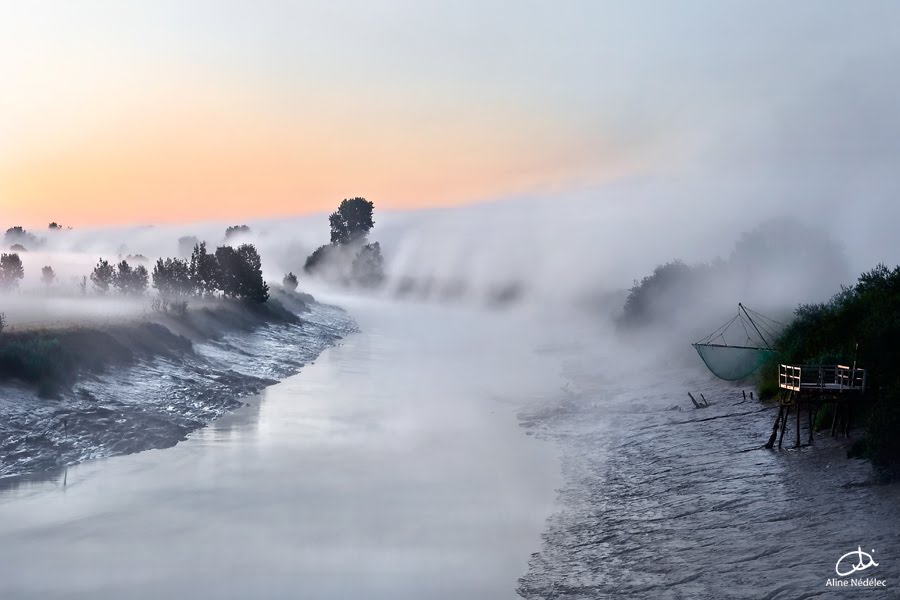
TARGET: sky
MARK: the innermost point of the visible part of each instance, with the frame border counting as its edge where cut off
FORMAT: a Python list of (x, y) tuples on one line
[(179, 111)]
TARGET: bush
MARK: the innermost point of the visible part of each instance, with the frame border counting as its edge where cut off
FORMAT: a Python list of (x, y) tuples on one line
[(862, 324)]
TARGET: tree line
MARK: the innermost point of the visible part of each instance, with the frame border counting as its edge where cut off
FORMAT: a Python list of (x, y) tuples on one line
[(231, 272)]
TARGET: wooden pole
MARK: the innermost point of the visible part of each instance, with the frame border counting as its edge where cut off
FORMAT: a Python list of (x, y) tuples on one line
[(774, 435), (809, 414), (696, 404), (787, 411), (797, 443)]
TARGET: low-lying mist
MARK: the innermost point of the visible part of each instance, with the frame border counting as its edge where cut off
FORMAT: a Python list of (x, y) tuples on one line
[(576, 255)]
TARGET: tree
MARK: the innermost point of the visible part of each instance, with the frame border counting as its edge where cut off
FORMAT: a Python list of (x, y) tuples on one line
[(352, 221), (122, 279), (204, 270), (315, 259), (172, 277), (54, 225), (103, 275), (290, 282), (240, 273), (252, 285), (48, 276), (140, 280), (368, 266), (131, 280), (18, 235), (236, 230), (11, 271)]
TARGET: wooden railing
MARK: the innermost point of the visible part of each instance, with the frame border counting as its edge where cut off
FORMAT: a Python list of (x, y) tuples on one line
[(832, 378)]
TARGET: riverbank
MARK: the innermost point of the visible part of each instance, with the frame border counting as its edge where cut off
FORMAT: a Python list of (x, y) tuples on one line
[(74, 393), (662, 500)]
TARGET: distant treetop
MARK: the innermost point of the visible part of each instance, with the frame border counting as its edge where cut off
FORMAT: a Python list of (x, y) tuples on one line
[(236, 230), (352, 221)]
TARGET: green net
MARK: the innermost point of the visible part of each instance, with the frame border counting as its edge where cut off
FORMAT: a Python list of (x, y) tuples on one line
[(732, 363)]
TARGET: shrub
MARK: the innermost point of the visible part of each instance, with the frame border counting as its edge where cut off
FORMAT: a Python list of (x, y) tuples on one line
[(290, 282)]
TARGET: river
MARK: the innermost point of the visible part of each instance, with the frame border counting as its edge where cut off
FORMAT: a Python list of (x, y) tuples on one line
[(449, 452), (392, 467)]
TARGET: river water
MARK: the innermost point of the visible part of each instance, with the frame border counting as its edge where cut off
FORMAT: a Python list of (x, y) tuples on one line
[(392, 467), (451, 453)]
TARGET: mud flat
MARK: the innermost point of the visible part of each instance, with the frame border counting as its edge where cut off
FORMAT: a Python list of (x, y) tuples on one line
[(661, 500), (103, 390)]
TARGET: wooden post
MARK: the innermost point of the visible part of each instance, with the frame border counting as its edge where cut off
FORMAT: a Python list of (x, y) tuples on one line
[(744, 392), (705, 402), (696, 404), (772, 437), (797, 443), (809, 414), (787, 411)]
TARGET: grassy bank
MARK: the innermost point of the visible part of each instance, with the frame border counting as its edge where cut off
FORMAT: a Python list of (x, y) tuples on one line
[(862, 324), (52, 359)]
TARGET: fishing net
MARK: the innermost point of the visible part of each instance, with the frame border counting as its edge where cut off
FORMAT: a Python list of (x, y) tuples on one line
[(733, 362)]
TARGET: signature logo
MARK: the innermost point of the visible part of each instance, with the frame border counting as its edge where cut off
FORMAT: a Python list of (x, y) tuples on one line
[(864, 560)]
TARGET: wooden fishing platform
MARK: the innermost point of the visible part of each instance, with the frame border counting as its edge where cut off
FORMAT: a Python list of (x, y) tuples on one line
[(814, 387)]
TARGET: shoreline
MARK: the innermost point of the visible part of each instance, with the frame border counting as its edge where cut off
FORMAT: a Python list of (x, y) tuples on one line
[(148, 383), (649, 488)]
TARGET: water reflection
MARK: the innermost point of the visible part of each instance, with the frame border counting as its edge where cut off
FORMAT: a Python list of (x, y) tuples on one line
[(386, 470)]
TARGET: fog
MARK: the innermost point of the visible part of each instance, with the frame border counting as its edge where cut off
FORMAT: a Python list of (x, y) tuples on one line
[(562, 251)]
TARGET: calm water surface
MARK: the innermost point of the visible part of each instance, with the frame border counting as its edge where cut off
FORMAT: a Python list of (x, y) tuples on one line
[(394, 467)]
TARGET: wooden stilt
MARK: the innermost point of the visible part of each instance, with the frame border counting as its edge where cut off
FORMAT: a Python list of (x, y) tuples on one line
[(696, 404), (834, 419), (797, 443), (787, 411), (809, 414), (775, 426)]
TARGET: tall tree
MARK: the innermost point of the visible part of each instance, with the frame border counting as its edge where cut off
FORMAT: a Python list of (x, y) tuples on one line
[(103, 276), (122, 279), (204, 270), (240, 273), (352, 221), (172, 277)]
